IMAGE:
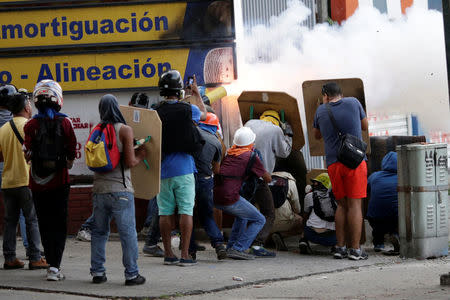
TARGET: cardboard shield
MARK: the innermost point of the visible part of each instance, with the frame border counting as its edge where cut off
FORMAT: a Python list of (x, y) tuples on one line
[(145, 122), (312, 97), (258, 102)]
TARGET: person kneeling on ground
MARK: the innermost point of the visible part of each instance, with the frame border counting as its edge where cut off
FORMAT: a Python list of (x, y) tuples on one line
[(227, 184), (383, 205), (320, 208), (288, 221)]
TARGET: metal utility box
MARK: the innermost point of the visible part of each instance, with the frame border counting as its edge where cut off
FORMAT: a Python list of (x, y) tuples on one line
[(423, 200)]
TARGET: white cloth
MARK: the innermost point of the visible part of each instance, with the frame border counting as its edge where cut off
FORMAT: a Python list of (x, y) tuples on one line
[(313, 220), (270, 141)]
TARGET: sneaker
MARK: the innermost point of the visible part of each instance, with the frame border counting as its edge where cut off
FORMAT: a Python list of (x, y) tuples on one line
[(340, 253), (39, 264), (357, 254), (154, 251), (99, 279), (304, 247), (378, 248), (136, 280), (186, 262), (13, 264), (84, 235), (54, 274), (279, 242), (260, 251), (171, 260), (221, 252), (395, 242), (241, 255)]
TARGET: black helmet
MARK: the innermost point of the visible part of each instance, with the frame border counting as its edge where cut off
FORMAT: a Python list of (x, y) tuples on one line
[(139, 100), (6, 91), (170, 83)]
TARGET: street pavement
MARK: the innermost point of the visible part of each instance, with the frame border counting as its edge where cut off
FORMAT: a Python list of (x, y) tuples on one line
[(209, 275)]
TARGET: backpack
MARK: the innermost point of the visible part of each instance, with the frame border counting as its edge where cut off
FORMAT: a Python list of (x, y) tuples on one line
[(318, 206), (101, 151), (179, 133), (48, 147), (279, 188), (251, 181)]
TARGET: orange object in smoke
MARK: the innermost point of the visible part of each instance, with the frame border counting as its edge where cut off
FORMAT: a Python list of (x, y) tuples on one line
[(406, 4), (342, 9)]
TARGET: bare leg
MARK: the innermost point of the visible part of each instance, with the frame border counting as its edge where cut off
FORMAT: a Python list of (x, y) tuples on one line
[(340, 218), (186, 231), (354, 221), (166, 224)]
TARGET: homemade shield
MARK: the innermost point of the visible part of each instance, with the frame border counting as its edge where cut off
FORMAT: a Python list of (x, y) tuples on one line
[(253, 104), (145, 176), (312, 97)]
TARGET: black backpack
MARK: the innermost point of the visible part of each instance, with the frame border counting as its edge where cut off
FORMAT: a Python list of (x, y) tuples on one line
[(318, 206), (251, 181), (279, 188), (179, 133), (48, 149)]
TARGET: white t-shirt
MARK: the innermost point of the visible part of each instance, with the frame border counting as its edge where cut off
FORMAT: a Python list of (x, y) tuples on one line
[(313, 220)]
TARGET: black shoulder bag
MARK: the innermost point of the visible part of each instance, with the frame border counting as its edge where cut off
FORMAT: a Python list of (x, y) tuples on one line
[(351, 150)]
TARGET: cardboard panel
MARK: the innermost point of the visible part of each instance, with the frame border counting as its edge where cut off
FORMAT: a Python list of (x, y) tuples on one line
[(312, 97), (146, 182), (262, 101)]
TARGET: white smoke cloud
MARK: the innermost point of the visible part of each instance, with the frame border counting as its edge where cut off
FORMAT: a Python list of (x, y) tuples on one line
[(401, 62)]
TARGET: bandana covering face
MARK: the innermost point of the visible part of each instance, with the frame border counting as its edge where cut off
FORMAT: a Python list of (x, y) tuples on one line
[(238, 150), (109, 110)]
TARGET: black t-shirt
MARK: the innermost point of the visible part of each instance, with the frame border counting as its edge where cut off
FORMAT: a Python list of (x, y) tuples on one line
[(211, 151)]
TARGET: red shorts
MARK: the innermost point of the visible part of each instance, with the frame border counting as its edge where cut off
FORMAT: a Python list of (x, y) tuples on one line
[(346, 182)]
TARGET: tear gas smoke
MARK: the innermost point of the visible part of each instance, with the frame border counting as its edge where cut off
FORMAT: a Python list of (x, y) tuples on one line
[(401, 62)]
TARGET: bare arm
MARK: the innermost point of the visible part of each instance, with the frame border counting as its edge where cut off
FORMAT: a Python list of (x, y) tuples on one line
[(266, 177), (131, 157), (215, 167), (364, 124), (317, 134), (197, 100)]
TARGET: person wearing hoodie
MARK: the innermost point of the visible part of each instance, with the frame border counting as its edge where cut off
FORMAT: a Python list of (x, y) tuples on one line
[(113, 197), (382, 212)]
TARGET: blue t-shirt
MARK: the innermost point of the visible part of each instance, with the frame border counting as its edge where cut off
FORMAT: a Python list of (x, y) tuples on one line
[(348, 113), (180, 163)]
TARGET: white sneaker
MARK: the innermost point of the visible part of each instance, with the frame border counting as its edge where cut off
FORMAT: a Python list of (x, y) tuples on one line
[(53, 274), (84, 235)]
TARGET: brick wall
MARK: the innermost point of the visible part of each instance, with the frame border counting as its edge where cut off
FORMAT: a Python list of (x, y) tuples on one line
[(80, 208)]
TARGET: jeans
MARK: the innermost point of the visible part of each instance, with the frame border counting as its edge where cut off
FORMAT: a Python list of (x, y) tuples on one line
[(89, 223), (51, 209), (16, 199), (205, 204), (247, 223), (382, 226), (327, 238), (119, 206), (153, 234), (152, 210), (263, 197)]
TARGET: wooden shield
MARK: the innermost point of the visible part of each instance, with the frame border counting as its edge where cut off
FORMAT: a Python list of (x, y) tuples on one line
[(262, 101), (312, 97), (145, 122)]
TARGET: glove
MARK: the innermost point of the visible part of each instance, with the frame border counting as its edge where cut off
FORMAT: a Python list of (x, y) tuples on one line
[(287, 129)]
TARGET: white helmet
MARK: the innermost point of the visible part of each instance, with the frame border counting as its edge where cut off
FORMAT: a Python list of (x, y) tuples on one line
[(48, 93), (244, 136)]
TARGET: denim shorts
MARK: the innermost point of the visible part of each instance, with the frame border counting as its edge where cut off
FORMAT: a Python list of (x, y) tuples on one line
[(178, 191)]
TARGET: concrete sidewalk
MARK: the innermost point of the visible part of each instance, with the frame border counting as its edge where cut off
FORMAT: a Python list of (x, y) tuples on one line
[(163, 281)]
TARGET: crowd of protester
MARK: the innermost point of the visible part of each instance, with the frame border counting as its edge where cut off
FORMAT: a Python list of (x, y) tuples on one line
[(250, 181)]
